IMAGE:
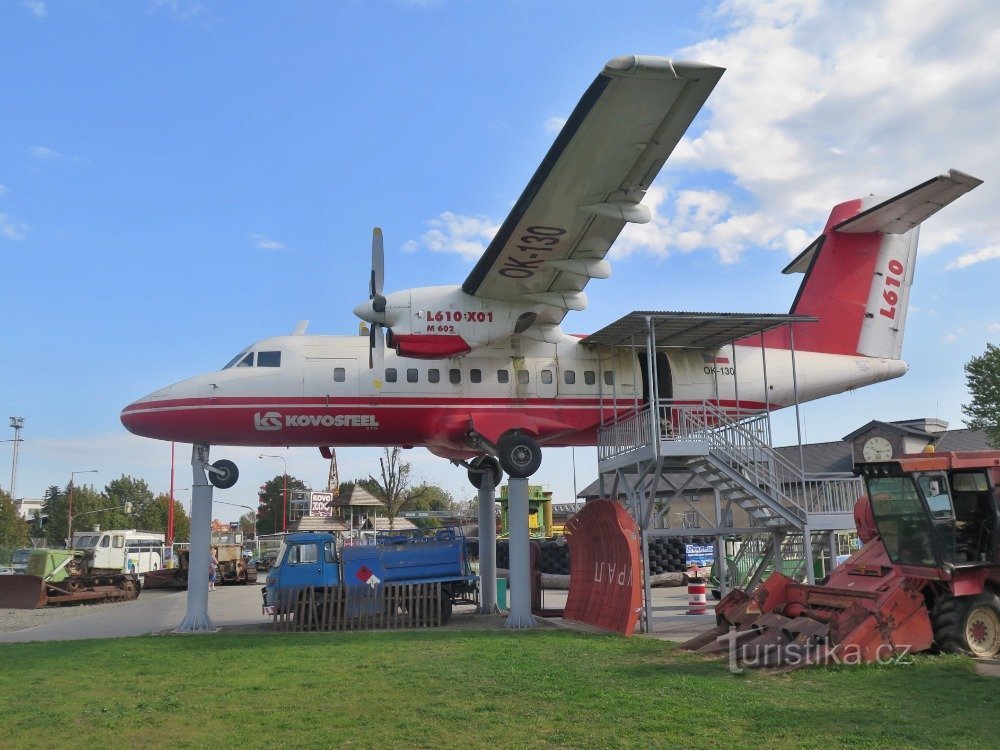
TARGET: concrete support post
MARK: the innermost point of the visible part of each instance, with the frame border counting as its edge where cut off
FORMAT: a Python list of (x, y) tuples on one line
[(487, 546), (831, 543), (647, 591), (197, 619), (520, 574)]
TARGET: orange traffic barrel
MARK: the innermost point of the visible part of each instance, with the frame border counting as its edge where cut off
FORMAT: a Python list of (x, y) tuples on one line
[(697, 596)]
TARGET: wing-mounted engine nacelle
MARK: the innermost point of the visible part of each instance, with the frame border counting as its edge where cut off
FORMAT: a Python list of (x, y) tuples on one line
[(443, 321)]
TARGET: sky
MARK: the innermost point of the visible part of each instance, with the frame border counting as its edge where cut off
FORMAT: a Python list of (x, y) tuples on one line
[(179, 179)]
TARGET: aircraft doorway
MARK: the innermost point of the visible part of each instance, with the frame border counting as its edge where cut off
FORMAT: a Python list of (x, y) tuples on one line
[(664, 382)]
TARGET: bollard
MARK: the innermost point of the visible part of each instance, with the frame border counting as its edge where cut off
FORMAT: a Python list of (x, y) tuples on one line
[(697, 596)]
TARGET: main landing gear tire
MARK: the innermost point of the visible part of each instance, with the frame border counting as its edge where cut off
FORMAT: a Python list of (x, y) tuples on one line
[(520, 456), (227, 476), (484, 463), (968, 625)]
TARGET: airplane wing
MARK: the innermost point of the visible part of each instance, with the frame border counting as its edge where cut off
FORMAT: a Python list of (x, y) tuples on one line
[(591, 183)]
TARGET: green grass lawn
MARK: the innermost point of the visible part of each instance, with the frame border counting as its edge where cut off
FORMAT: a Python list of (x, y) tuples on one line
[(544, 688)]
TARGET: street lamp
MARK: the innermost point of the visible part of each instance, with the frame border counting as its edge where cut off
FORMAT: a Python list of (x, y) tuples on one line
[(69, 523), (237, 505), (284, 491)]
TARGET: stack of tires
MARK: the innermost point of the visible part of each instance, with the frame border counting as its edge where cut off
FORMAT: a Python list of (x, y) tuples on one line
[(666, 554)]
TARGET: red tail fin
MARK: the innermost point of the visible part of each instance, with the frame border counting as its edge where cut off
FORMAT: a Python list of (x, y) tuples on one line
[(859, 271)]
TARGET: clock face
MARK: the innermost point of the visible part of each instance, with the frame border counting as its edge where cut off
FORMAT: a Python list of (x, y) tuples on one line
[(877, 449)]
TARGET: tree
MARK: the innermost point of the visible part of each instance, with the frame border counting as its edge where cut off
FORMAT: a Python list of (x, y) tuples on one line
[(152, 516), (394, 488), (272, 504), (13, 528), (247, 524), (982, 375)]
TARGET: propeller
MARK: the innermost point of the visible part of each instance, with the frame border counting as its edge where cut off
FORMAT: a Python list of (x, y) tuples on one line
[(378, 272), (376, 338)]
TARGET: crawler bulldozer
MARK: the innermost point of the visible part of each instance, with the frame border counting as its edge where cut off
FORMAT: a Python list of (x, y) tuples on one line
[(65, 576), (927, 577)]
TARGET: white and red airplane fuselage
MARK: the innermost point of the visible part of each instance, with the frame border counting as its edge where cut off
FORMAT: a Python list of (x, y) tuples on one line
[(318, 391)]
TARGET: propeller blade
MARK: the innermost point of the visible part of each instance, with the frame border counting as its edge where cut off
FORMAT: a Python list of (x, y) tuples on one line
[(378, 271), (379, 350)]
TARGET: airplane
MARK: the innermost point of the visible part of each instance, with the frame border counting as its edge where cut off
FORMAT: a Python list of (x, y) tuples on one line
[(483, 374)]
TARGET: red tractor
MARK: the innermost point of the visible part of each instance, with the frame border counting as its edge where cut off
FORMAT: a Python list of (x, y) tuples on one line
[(927, 577)]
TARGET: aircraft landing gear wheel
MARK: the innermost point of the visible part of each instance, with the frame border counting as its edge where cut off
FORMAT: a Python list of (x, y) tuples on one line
[(484, 462), (520, 456), (969, 625), (228, 476)]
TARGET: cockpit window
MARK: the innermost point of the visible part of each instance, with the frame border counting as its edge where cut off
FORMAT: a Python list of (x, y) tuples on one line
[(247, 361), (268, 359), (234, 360)]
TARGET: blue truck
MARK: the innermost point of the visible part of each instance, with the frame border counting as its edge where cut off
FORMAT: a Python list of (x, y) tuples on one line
[(312, 560)]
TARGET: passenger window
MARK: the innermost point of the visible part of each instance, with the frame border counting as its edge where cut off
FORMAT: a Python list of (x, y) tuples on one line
[(247, 361), (503, 376), (330, 552), (105, 541), (522, 377), (390, 375), (609, 377), (546, 376), (411, 375), (454, 376), (118, 541), (339, 374), (589, 377), (569, 376), (434, 375), (476, 376), (269, 359)]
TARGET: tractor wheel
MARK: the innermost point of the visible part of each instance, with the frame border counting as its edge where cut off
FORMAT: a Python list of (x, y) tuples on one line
[(227, 478), (968, 625), (520, 456), (485, 462)]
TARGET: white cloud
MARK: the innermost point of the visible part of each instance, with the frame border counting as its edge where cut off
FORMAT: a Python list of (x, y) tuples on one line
[(263, 242), (952, 336), (820, 105), (182, 10), (44, 152), (467, 236), (37, 7), (12, 230), (554, 124), (971, 259), (3, 189)]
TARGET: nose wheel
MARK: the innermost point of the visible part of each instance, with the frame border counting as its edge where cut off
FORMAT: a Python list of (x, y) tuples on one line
[(223, 474), (480, 466)]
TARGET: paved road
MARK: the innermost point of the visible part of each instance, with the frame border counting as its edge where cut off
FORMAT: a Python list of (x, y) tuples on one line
[(155, 611), (238, 608)]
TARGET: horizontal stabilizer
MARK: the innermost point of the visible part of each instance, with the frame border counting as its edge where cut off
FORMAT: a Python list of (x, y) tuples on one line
[(900, 214)]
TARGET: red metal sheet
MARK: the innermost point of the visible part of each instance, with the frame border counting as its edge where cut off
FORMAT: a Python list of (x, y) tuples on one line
[(605, 587)]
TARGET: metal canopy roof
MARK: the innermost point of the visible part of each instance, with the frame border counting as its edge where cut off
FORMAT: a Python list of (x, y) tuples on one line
[(689, 329)]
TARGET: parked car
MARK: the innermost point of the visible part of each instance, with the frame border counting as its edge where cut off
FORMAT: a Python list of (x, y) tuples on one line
[(5, 571), (20, 560), (266, 560)]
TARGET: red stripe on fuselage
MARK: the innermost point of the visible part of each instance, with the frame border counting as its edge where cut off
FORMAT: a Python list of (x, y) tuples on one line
[(356, 421)]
